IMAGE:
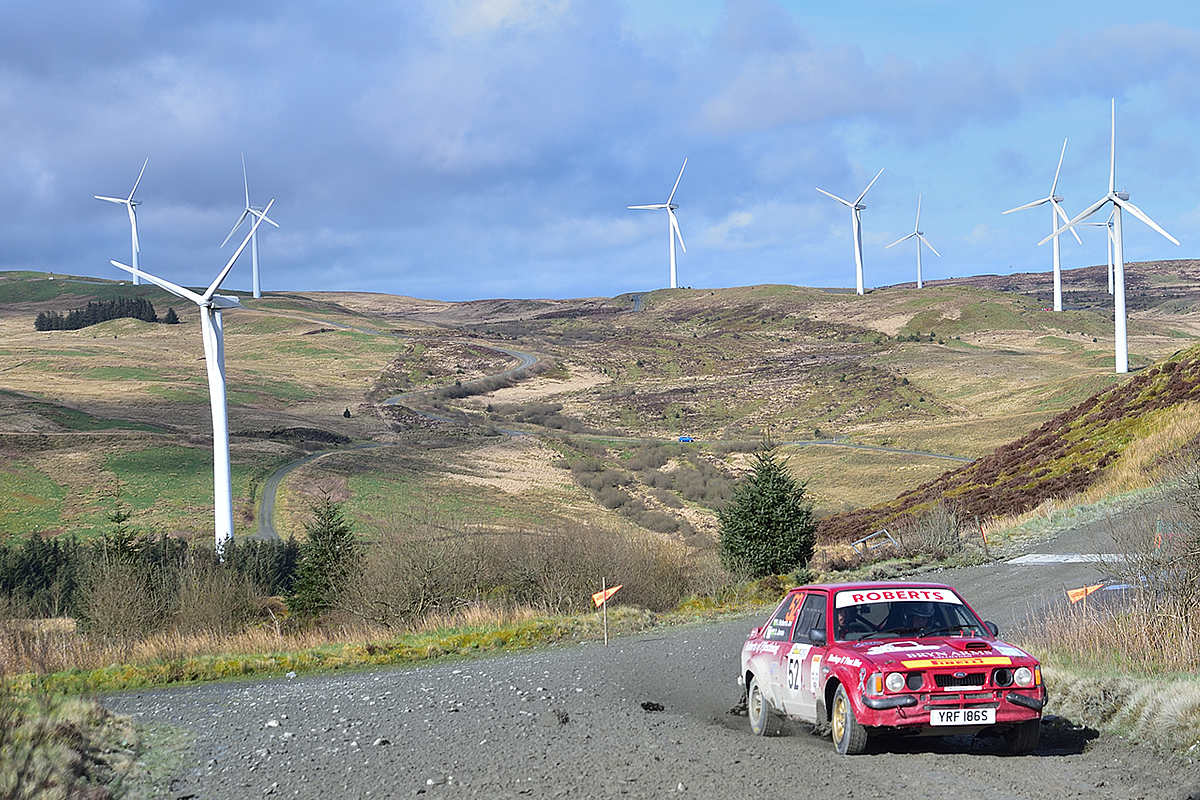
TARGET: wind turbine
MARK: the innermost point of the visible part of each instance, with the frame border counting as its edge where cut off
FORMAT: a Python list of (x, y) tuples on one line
[(1120, 201), (920, 238), (211, 305), (1056, 211), (673, 222), (856, 220), (257, 213), (130, 204)]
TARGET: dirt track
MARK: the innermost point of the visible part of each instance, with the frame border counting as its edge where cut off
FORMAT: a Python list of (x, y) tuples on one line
[(645, 717)]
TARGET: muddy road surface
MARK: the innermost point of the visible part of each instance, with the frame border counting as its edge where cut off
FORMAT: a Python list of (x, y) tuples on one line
[(647, 716)]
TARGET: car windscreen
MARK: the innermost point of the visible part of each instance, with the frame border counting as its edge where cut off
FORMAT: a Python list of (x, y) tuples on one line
[(912, 613)]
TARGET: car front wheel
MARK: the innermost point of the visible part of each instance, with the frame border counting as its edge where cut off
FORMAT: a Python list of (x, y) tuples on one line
[(762, 719), (849, 737), (1023, 739)]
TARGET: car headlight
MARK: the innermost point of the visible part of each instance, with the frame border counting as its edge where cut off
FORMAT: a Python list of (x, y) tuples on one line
[(1023, 676), (894, 682)]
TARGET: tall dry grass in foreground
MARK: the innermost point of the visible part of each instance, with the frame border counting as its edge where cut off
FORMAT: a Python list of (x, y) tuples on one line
[(1129, 634)]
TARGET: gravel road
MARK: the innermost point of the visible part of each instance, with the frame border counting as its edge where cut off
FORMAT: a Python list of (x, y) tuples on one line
[(647, 716)]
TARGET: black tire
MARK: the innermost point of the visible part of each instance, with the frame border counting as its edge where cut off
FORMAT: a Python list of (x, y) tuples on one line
[(762, 718), (1022, 739), (849, 738)]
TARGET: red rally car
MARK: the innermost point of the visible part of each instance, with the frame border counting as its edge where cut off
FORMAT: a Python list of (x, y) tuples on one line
[(907, 658)]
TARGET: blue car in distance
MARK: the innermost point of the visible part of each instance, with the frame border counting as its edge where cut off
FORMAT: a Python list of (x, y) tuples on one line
[(686, 439)]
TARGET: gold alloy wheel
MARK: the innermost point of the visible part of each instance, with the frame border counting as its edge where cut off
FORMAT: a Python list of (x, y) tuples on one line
[(839, 717)]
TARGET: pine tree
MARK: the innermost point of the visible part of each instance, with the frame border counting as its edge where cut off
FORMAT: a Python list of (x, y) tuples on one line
[(326, 560), (171, 318), (768, 528)]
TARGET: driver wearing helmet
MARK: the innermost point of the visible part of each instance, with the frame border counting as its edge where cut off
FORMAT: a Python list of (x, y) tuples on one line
[(920, 615)]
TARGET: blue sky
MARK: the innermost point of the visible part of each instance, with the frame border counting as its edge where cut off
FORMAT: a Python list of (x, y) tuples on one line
[(465, 149)]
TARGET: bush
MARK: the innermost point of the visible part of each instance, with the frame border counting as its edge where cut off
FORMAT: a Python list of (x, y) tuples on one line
[(768, 528), (420, 568)]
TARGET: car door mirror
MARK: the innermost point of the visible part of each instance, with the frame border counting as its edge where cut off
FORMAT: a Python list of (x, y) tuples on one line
[(817, 636), (991, 626)]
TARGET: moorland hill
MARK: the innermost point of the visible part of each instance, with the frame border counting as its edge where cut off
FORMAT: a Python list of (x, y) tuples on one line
[(872, 397)]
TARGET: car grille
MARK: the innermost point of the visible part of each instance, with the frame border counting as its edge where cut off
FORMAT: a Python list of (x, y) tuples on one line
[(946, 681)]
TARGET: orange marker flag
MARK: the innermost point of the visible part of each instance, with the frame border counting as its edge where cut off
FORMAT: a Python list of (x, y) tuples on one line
[(1078, 594), (599, 598)]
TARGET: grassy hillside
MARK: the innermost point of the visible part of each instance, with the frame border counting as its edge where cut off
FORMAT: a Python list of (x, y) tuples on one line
[(1064, 457), (956, 369)]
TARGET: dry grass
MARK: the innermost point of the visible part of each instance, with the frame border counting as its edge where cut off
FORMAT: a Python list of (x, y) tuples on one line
[(1145, 462), (1092, 651), (1129, 635)]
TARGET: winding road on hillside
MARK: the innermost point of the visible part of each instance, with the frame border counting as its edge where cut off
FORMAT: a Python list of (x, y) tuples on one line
[(266, 511), (646, 717), (265, 530)]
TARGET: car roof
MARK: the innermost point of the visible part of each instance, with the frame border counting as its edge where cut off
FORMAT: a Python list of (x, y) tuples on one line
[(840, 587)]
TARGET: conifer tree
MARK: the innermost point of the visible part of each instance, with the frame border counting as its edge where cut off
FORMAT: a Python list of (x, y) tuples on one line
[(768, 528), (326, 560)]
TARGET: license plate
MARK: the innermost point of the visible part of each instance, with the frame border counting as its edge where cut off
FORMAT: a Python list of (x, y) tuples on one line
[(962, 716)]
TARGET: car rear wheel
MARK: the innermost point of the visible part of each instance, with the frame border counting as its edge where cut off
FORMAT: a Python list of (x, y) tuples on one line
[(762, 719), (1023, 739), (849, 738)]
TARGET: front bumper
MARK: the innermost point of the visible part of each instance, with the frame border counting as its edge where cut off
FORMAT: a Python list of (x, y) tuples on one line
[(912, 710)]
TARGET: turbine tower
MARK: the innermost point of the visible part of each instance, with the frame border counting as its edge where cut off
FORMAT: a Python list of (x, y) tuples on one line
[(1120, 202), (211, 305), (1056, 211), (257, 213), (920, 238), (131, 204), (672, 222), (1109, 226), (856, 221)]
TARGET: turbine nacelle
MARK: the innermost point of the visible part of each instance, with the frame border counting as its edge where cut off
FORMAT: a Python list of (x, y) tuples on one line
[(223, 301)]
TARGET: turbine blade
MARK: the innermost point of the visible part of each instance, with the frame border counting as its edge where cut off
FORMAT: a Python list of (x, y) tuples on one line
[(675, 228), (1112, 154), (236, 226), (1087, 212), (869, 185), (1034, 204), (927, 244), (173, 288), (918, 225), (212, 289), (835, 197), (1054, 185), (1058, 211), (139, 180), (1137, 212), (902, 239), (676, 186), (118, 200), (651, 207), (133, 226), (245, 180)]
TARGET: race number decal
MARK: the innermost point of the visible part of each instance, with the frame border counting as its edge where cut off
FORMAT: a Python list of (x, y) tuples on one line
[(795, 665)]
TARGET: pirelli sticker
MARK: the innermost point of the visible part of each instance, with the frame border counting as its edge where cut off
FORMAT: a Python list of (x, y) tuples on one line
[(984, 661)]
